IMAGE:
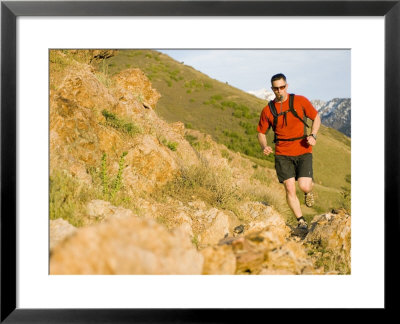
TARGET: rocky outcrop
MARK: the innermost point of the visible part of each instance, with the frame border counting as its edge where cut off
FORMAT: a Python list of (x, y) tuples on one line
[(81, 89), (59, 231), (126, 246), (101, 210), (219, 260), (266, 252), (132, 86), (89, 119), (330, 234), (149, 164), (218, 229)]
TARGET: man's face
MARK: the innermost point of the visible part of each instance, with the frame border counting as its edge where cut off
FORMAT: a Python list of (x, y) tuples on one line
[(279, 87)]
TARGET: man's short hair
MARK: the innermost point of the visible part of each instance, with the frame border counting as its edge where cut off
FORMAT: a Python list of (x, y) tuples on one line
[(278, 77)]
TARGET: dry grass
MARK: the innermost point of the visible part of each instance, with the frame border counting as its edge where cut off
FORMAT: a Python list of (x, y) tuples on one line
[(68, 198), (331, 261), (213, 185)]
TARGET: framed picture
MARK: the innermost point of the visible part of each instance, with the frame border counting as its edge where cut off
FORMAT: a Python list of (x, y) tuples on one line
[(175, 23)]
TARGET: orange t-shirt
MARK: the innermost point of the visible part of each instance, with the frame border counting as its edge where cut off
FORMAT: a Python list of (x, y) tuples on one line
[(293, 128)]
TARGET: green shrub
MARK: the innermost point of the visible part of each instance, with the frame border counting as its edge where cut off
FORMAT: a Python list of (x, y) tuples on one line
[(68, 198), (109, 191), (172, 146), (237, 114), (250, 129), (190, 138), (216, 97), (120, 124), (345, 199), (231, 134), (348, 178)]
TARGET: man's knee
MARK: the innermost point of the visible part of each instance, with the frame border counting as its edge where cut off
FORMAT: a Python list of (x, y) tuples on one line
[(305, 184), (290, 187)]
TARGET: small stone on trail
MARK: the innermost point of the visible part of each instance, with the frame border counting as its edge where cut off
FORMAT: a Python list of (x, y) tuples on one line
[(239, 229)]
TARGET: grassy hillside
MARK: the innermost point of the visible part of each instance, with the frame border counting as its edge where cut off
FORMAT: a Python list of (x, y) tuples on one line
[(231, 116), (228, 114)]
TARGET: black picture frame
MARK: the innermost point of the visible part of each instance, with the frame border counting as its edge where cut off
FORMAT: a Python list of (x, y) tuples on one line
[(10, 10)]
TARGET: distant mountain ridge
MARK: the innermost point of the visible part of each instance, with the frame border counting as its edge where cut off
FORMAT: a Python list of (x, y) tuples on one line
[(336, 113), (318, 104)]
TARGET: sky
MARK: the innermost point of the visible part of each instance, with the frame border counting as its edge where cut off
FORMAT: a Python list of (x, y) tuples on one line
[(316, 74)]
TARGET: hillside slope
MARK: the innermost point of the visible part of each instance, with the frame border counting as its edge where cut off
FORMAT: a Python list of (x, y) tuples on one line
[(231, 116), (133, 194)]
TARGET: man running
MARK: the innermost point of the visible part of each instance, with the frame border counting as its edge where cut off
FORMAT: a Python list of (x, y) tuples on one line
[(293, 147)]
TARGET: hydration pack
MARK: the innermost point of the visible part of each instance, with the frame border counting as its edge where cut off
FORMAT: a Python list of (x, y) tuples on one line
[(293, 111)]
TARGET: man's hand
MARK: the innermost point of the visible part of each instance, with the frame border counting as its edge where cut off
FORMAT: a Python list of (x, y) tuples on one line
[(263, 144), (311, 140), (267, 150)]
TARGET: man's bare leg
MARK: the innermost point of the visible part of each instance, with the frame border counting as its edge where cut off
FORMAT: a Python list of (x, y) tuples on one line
[(305, 184), (291, 197)]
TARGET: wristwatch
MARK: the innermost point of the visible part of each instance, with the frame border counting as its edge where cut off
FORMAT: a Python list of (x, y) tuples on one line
[(315, 136)]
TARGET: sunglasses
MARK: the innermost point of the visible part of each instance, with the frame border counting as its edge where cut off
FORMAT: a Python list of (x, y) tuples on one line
[(278, 88)]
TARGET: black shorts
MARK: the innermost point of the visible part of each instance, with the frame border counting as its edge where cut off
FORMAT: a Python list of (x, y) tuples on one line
[(293, 166)]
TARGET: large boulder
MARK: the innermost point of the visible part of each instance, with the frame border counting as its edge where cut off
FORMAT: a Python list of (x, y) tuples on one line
[(219, 260), (148, 164), (131, 86), (331, 233), (267, 252), (82, 89), (100, 210), (60, 229), (217, 229), (126, 246)]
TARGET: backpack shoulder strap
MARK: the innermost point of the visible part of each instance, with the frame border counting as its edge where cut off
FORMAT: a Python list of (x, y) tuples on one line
[(291, 106), (274, 113), (294, 112)]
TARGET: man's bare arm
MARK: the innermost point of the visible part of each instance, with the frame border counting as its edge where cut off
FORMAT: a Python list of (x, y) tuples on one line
[(314, 130), (262, 139), (316, 125)]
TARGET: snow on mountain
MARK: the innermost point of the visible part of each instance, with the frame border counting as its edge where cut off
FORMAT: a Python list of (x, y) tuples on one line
[(318, 104), (336, 113), (263, 94)]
